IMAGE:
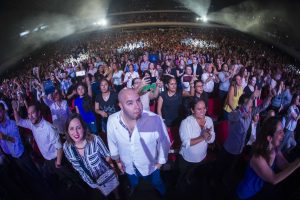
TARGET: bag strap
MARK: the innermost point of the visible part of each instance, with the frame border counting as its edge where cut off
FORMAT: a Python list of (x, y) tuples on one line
[(76, 154)]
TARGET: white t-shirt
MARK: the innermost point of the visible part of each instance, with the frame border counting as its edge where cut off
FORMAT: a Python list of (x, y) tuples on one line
[(144, 65), (209, 86), (190, 129), (117, 77), (129, 77)]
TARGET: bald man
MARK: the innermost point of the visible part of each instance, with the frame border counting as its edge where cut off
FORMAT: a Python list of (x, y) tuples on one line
[(138, 141)]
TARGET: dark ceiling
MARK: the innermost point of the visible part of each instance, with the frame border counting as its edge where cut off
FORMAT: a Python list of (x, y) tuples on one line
[(16, 16)]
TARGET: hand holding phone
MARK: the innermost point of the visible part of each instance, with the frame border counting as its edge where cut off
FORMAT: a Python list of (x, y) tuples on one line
[(187, 78), (145, 81), (149, 87)]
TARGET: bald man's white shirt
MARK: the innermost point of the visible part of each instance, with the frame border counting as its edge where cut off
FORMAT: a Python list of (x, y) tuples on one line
[(148, 144)]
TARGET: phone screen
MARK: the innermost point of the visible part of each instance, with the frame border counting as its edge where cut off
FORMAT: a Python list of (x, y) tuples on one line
[(187, 78), (49, 87), (148, 87), (80, 73)]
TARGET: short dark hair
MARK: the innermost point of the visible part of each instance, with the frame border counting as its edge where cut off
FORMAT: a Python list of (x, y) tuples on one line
[(146, 72), (189, 104), (222, 66), (243, 99), (37, 107), (198, 81), (133, 80)]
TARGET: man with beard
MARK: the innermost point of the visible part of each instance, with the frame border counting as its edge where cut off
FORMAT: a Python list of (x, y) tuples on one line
[(47, 140), (44, 134), (138, 141), (12, 146)]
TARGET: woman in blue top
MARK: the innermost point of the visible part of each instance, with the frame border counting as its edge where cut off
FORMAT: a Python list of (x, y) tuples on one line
[(266, 156), (84, 107)]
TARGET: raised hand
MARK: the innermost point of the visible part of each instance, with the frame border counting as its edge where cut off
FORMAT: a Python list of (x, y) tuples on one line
[(14, 105)]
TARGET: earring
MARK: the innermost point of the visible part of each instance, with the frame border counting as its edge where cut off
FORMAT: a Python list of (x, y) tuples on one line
[(269, 147)]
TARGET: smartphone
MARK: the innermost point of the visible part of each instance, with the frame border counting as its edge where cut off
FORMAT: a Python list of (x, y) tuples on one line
[(80, 73), (49, 87), (187, 78), (148, 87), (153, 79)]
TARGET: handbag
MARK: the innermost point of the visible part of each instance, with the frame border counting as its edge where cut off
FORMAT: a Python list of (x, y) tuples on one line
[(107, 182)]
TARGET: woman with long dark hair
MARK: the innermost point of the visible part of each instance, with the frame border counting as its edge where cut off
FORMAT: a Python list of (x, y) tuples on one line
[(169, 107), (90, 157), (106, 103), (234, 94), (266, 156), (117, 77), (84, 107)]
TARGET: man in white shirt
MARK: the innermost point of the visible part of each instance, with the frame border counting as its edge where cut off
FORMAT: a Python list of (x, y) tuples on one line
[(138, 141), (209, 78), (59, 110), (145, 63), (46, 137)]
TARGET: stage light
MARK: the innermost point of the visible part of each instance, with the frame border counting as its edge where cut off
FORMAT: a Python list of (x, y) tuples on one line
[(102, 22), (204, 18), (22, 34), (43, 27)]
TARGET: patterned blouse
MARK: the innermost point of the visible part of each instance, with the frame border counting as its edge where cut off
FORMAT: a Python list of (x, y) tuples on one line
[(95, 153)]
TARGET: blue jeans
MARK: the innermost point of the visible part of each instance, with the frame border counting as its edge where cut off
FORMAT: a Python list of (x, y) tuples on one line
[(153, 178), (225, 115), (93, 128), (104, 125)]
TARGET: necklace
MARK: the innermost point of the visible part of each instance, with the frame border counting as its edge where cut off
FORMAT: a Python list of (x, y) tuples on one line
[(83, 146), (106, 97), (201, 122), (170, 94)]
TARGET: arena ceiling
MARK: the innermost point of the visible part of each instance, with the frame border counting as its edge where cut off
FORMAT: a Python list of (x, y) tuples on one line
[(276, 19)]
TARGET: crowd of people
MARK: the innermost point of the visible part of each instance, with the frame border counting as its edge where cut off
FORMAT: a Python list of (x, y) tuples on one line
[(153, 16), (87, 109)]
